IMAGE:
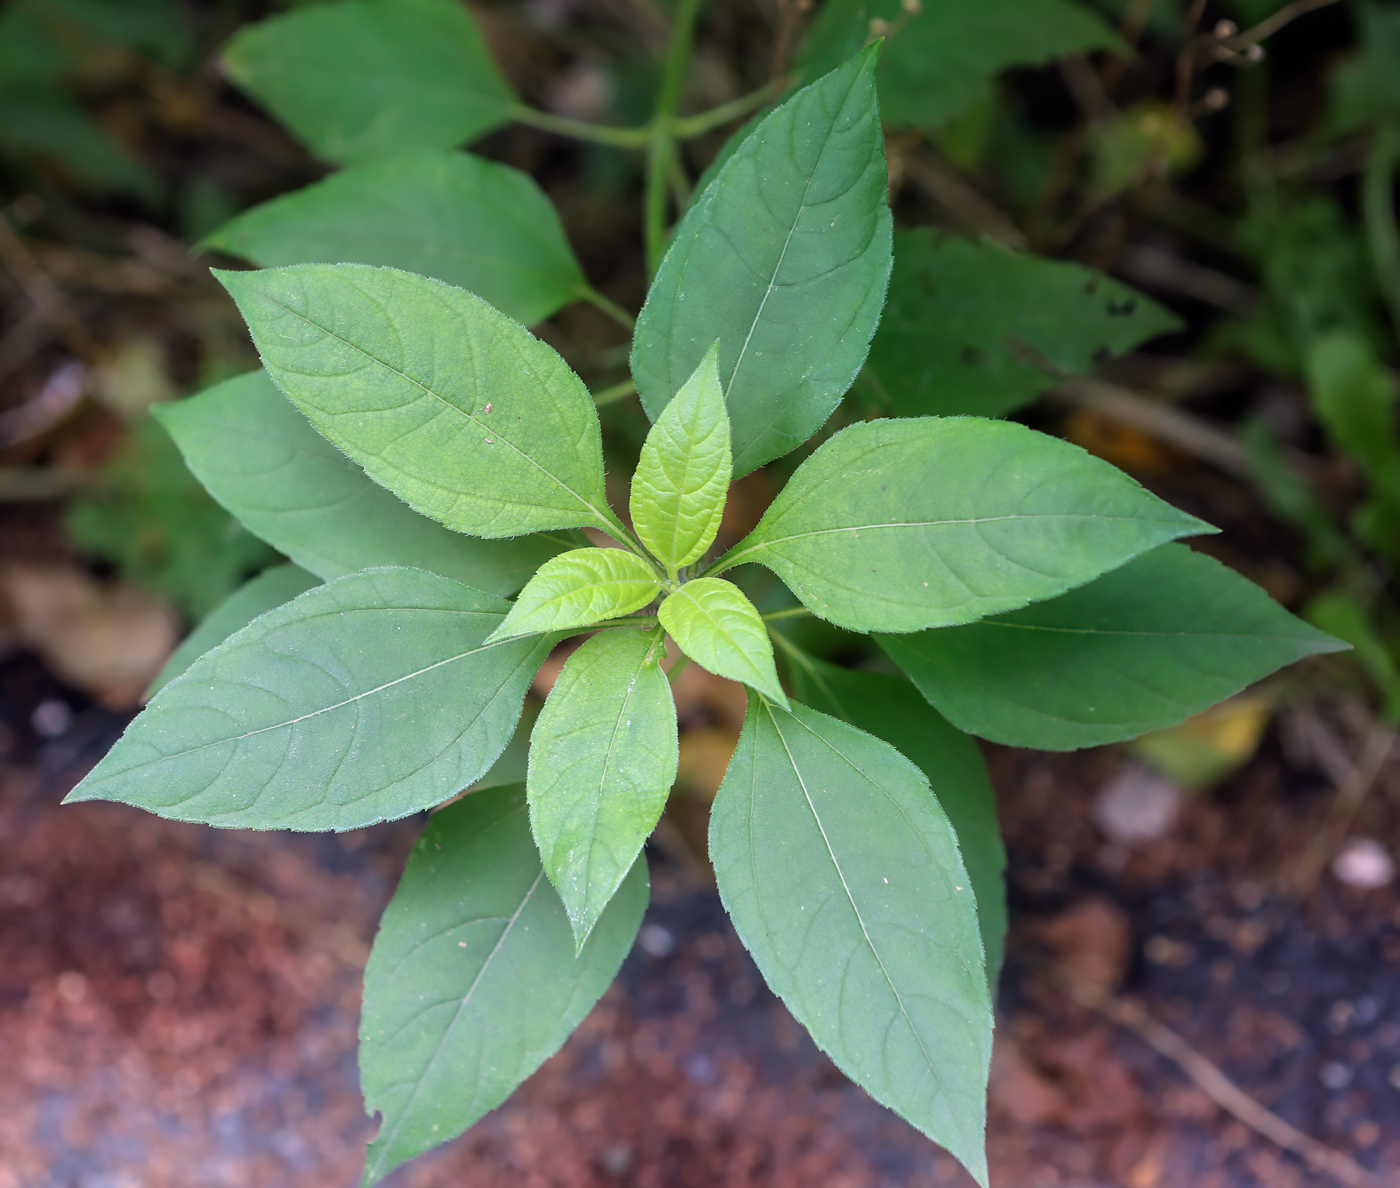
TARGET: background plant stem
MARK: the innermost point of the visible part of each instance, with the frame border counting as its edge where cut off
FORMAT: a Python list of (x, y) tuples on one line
[(662, 148)]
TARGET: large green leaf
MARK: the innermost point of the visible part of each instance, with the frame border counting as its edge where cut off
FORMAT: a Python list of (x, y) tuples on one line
[(891, 709), (458, 410), (899, 525), (358, 80), (683, 474), (603, 757), (939, 62), (784, 261), (715, 625), (269, 589), (974, 328), (362, 700), (473, 982), (842, 875), (578, 588), (462, 219), (259, 457), (1139, 649)]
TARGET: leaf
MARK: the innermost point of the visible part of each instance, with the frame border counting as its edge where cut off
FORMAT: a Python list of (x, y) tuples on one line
[(892, 709), (974, 328), (683, 474), (460, 412), (842, 875), (603, 756), (259, 457), (579, 588), (462, 219), (360, 80), (784, 260), (899, 525), (362, 700), (938, 62), (1138, 649), (717, 627), (269, 589), (473, 982)]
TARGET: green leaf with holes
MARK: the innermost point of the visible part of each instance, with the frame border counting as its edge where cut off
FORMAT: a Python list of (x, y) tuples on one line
[(363, 700), (1141, 648), (939, 61), (841, 873), (888, 707), (473, 981), (456, 409), (898, 525), (360, 80), (975, 328), (715, 625), (784, 261), (683, 475), (603, 757), (260, 458), (470, 222), (579, 588)]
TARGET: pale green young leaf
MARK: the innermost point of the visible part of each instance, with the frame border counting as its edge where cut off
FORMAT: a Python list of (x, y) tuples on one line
[(363, 700), (784, 261), (898, 525), (940, 60), (1141, 648), (974, 328), (603, 757), (473, 981), (484, 227), (359, 80), (842, 875), (578, 588), (459, 411), (260, 458), (891, 709), (683, 475), (269, 589), (715, 625)]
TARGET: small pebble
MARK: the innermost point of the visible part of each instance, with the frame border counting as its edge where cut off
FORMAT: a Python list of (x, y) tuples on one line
[(656, 941), (1335, 1075), (50, 718), (1137, 806), (1362, 862)]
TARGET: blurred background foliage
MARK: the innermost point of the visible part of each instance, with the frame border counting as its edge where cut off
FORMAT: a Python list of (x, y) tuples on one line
[(1164, 229)]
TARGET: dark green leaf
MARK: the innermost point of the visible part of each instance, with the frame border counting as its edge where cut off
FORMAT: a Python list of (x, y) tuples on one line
[(458, 410), (580, 588), (975, 328), (360, 80), (262, 460), (1141, 648), (937, 63), (269, 589), (892, 709), (898, 525), (842, 875), (362, 700), (471, 222), (473, 982), (603, 757), (784, 260)]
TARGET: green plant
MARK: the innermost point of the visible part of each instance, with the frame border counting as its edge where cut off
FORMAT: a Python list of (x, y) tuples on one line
[(421, 456)]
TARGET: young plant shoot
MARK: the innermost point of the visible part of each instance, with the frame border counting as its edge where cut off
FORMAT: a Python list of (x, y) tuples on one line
[(420, 457)]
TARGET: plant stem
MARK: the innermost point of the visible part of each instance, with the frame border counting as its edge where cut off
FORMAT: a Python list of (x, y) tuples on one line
[(608, 306), (678, 667), (648, 621), (791, 613), (615, 392), (1378, 206), (662, 145), (581, 130), (707, 121)]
